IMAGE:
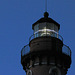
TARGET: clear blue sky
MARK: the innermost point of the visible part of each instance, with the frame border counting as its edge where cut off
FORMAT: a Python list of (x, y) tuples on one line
[(16, 19)]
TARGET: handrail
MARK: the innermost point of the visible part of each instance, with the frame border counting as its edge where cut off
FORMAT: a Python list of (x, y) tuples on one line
[(65, 50), (46, 34), (25, 50)]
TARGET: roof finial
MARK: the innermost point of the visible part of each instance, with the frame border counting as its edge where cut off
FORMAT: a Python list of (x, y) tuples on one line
[(46, 14)]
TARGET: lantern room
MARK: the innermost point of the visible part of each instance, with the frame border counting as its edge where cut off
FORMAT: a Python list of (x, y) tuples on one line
[(46, 27)]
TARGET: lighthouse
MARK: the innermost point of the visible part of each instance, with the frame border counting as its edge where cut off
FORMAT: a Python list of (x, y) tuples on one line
[(46, 54)]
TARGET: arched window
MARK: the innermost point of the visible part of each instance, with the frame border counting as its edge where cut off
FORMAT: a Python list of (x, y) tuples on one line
[(54, 71)]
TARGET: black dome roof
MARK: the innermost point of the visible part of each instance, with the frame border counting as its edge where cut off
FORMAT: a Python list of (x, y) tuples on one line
[(46, 19)]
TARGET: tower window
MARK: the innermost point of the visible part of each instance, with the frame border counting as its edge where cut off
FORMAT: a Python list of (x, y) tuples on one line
[(54, 71)]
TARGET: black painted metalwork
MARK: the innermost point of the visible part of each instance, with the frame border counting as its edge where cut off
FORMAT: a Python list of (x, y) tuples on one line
[(65, 50)]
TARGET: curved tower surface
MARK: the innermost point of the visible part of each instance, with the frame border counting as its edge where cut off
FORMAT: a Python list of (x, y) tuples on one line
[(46, 54)]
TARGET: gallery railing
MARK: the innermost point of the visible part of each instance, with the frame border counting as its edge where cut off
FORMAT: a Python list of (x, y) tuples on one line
[(42, 34), (25, 50), (65, 49)]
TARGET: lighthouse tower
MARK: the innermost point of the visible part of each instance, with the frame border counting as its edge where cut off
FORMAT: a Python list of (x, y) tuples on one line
[(46, 54)]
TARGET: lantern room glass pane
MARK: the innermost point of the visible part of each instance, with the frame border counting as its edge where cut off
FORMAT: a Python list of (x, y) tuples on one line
[(50, 26), (45, 29), (42, 26), (55, 28), (36, 28)]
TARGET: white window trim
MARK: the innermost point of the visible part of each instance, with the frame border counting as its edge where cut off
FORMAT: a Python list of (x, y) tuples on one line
[(29, 71)]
